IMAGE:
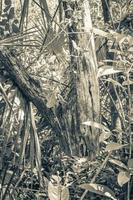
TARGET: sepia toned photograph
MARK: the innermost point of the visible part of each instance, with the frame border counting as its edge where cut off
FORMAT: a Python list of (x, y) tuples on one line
[(66, 99)]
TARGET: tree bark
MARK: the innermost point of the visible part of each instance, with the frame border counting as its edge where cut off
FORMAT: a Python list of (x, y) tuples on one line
[(84, 97), (32, 92)]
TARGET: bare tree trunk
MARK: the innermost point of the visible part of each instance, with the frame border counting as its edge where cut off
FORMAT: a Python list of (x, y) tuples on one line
[(84, 97)]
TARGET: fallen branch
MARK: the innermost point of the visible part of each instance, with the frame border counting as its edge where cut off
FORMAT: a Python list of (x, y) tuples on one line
[(31, 90)]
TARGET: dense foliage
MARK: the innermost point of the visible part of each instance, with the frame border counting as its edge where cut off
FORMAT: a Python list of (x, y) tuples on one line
[(66, 99)]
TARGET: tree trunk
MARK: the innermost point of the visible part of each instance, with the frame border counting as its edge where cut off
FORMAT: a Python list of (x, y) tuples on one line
[(31, 90), (84, 97)]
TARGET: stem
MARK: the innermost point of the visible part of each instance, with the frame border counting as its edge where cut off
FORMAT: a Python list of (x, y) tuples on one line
[(130, 135)]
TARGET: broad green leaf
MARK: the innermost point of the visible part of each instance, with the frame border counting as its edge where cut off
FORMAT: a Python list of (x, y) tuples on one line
[(130, 164), (99, 189), (57, 192), (114, 146), (104, 136), (118, 163), (96, 125), (123, 177)]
